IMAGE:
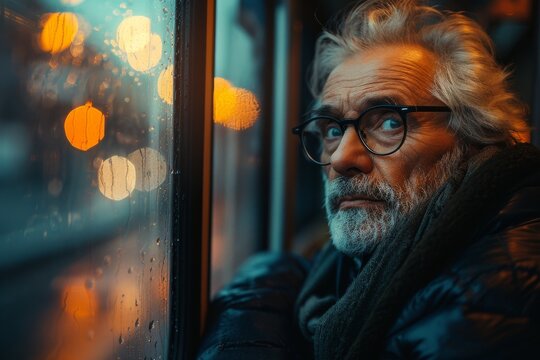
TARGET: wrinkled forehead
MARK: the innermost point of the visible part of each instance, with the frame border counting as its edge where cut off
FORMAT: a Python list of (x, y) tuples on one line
[(400, 74)]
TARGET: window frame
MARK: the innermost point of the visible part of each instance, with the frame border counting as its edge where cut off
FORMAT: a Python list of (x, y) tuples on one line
[(191, 174)]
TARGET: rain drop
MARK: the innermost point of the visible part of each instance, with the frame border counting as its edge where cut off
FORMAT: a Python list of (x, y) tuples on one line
[(137, 322), (152, 259), (130, 270), (120, 340), (158, 241), (89, 283), (151, 325)]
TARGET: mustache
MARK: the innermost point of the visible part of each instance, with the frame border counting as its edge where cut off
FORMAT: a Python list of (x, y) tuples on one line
[(358, 186)]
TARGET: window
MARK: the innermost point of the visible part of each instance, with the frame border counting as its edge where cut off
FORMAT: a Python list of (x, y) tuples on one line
[(86, 132)]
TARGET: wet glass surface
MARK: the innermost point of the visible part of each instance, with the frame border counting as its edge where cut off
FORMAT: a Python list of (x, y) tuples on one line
[(85, 152)]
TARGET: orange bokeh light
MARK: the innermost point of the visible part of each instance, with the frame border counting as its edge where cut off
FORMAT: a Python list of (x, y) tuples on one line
[(85, 127), (224, 100), (79, 301), (235, 108), (58, 32)]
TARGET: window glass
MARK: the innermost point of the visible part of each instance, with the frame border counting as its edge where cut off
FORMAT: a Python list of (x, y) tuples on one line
[(85, 151), (240, 157)]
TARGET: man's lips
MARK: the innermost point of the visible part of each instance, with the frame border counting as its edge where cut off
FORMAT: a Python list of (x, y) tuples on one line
[(349, 202)]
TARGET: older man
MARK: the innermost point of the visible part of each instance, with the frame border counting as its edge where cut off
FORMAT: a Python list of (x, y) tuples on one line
[(433, 206)]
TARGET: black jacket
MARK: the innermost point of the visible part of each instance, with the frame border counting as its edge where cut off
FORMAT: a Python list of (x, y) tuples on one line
[(485, 305)]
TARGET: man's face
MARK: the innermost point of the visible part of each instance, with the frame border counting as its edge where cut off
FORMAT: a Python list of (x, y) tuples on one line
[(365, 192)]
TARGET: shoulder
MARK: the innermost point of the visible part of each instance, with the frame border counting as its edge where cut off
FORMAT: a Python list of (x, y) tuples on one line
[(490, 294), (252, 316)]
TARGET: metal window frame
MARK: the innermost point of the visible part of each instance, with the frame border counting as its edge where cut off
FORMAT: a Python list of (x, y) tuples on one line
[(191, 174)]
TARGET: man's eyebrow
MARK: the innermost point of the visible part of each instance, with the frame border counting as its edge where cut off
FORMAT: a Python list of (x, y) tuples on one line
[(375, 101), (330, 110)]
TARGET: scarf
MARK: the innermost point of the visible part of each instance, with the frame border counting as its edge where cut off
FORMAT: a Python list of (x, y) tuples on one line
[(350, 320)]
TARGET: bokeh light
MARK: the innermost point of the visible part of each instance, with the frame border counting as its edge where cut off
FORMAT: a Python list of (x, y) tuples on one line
[(150, 167), (85, 127), (58, 32), (165, 85), (235, 108), (133, 34), (116, 178), (148, 57), (247, 110), (79, 300), (224, 100)]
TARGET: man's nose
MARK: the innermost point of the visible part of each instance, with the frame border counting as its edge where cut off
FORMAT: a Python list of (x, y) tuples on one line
[(351, 157)]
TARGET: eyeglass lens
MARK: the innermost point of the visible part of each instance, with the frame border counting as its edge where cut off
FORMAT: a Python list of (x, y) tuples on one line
[(381, 130)]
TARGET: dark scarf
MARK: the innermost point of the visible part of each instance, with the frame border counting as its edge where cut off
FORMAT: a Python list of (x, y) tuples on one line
[(351, 321)]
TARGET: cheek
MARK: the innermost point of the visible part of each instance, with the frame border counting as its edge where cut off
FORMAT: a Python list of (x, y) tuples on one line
[(419, 153)]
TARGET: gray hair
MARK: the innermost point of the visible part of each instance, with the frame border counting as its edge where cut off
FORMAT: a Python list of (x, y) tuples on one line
[(467, 78)]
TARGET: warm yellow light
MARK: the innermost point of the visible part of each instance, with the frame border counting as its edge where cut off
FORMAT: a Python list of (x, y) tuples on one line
[(58, 32), (79, 301), (224, 100), (85, 127), (133, 34), (165, 85), (247, 110), (116, 178), (148, 57), (235, 108), (150, 167)]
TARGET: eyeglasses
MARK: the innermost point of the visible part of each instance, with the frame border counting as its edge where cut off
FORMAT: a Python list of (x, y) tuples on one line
[(382, 129)]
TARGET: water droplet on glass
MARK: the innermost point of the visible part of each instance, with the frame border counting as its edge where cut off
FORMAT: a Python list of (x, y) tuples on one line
[(137, 322), (130, 270), (107, 260), (89, 283), (99, 272), (152, 259), (120, 340), (158, 241), (90, 335), (136, 302), (151, 325)]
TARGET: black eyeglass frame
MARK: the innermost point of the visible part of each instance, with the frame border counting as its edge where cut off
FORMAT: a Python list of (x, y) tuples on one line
[(402, 110)]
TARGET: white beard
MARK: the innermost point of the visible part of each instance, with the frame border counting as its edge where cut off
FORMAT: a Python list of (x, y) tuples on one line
[(356, 231)]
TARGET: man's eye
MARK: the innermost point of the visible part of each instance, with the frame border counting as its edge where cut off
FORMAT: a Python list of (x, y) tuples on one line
[(391, 124), (332, 132)]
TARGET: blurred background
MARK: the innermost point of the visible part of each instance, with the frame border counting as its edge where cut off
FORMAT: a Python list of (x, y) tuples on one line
[(87, 127)]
